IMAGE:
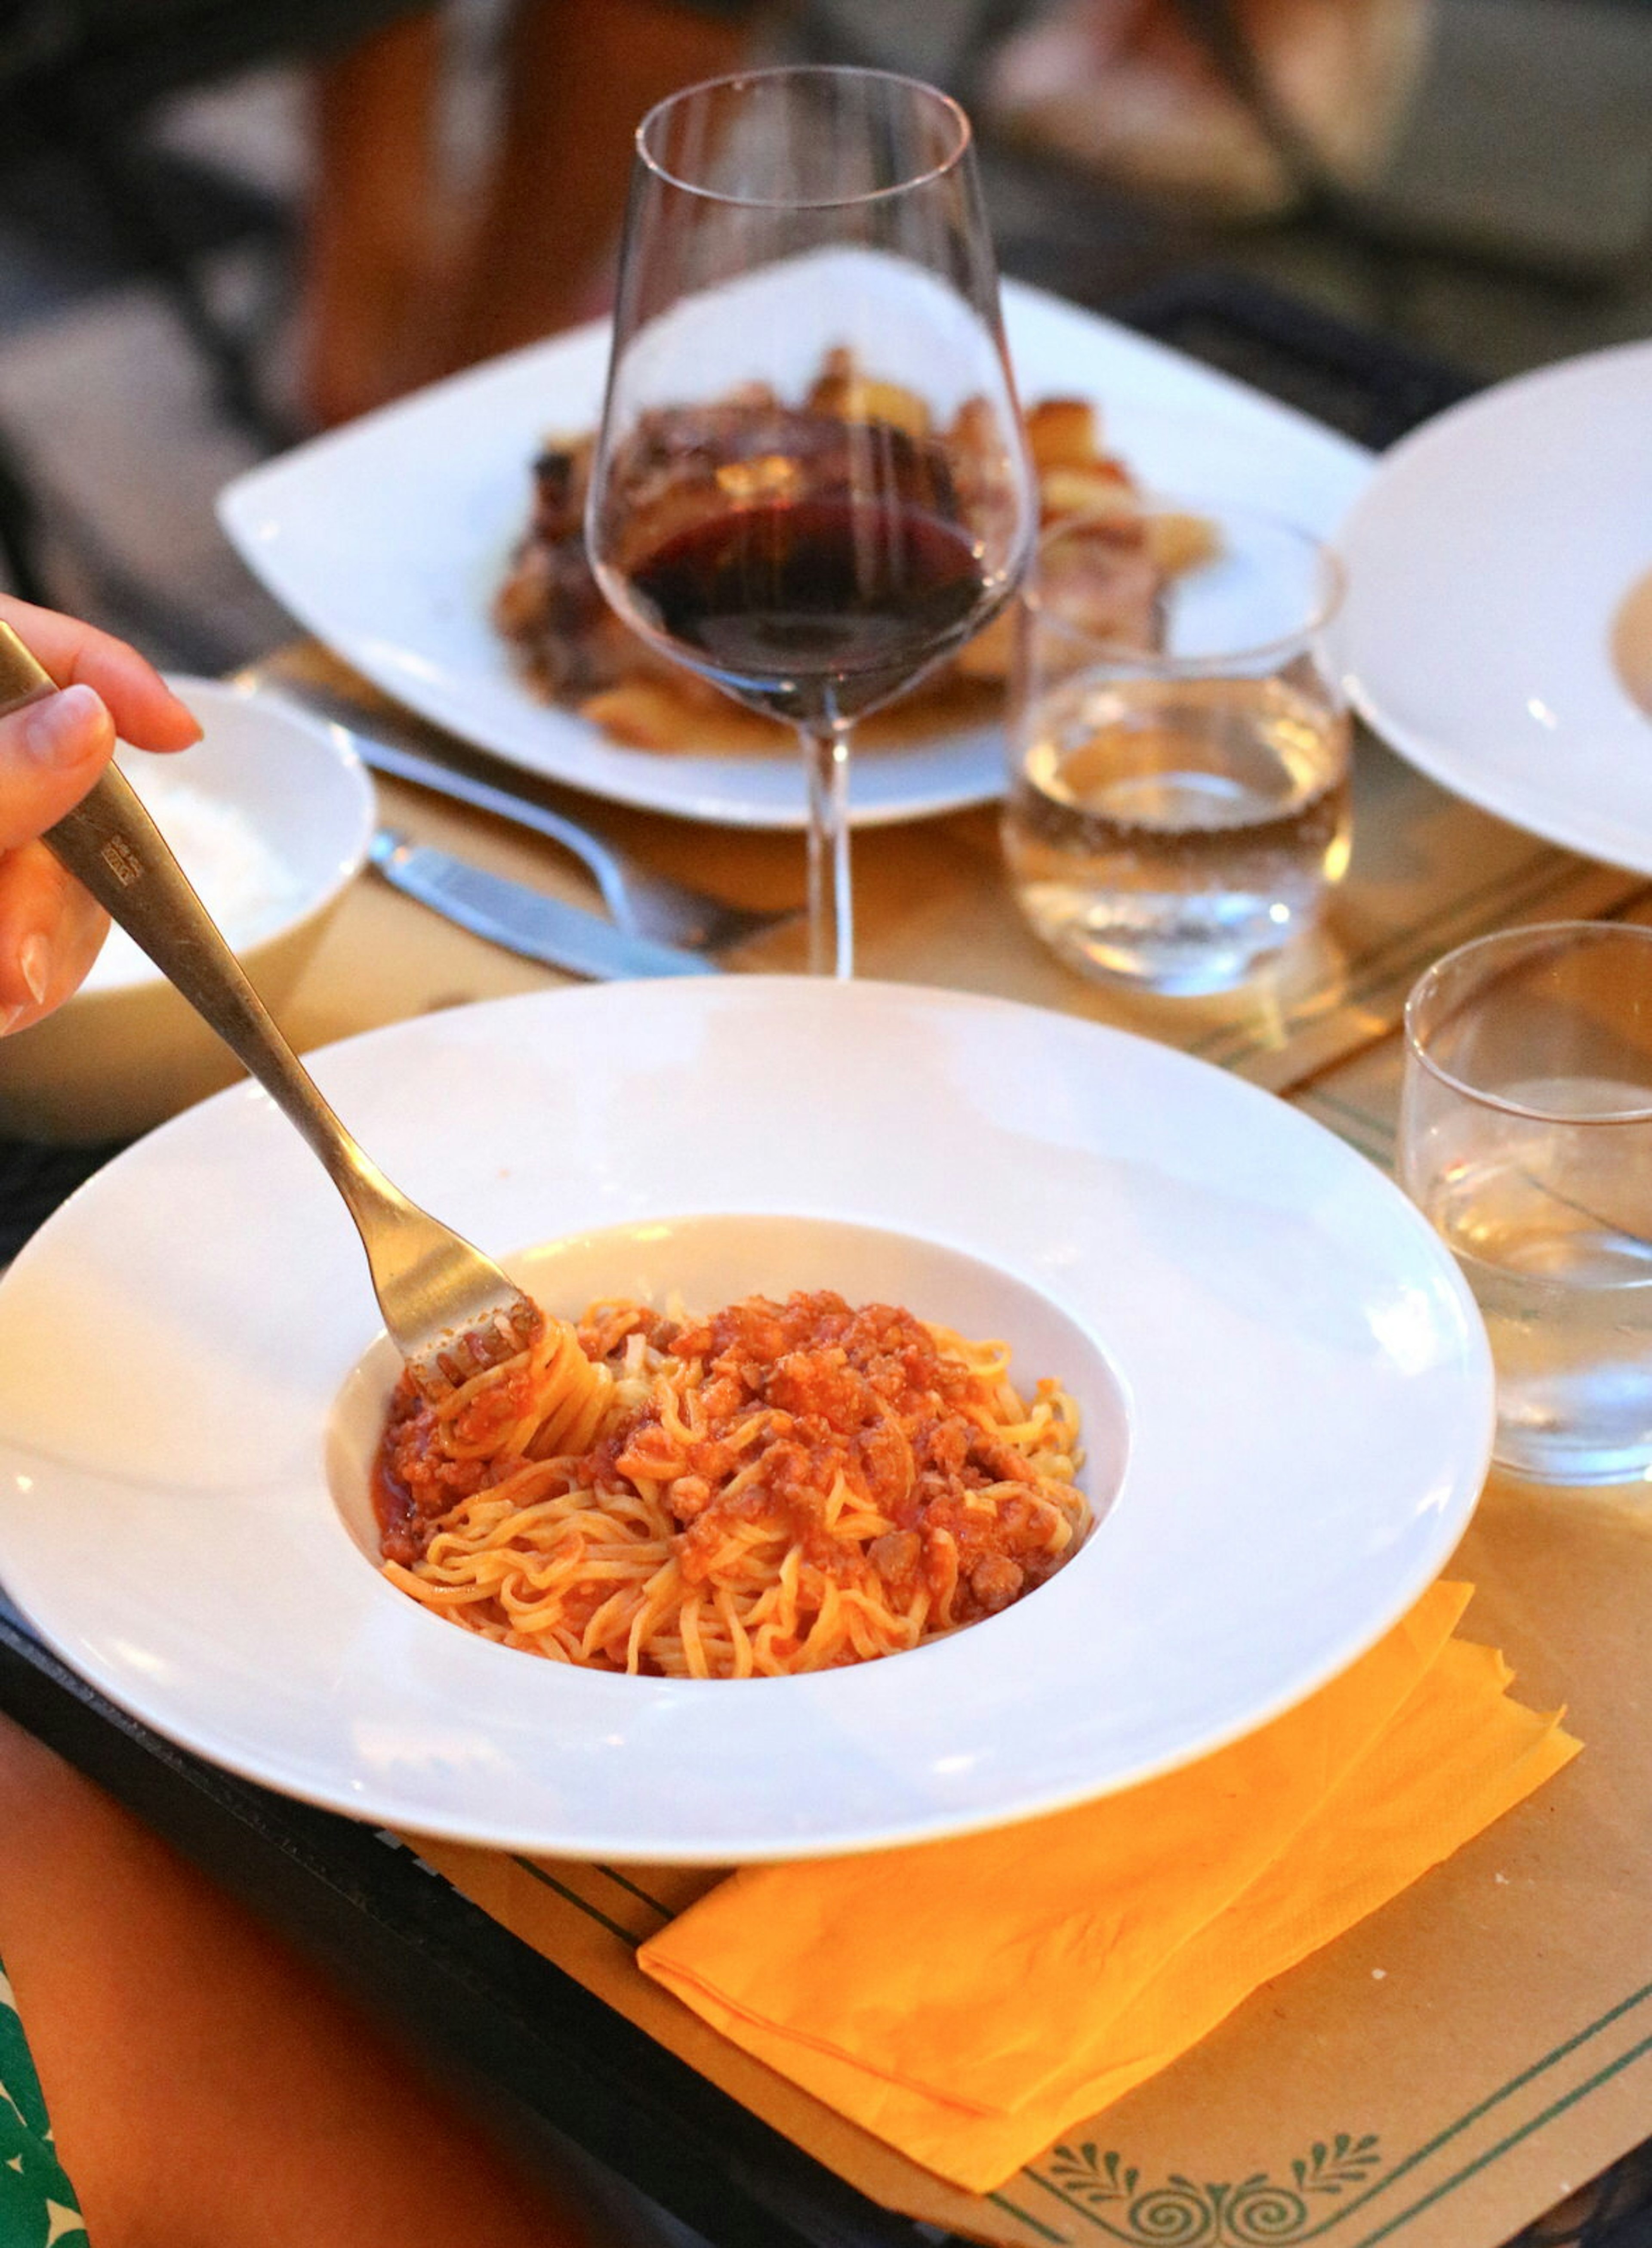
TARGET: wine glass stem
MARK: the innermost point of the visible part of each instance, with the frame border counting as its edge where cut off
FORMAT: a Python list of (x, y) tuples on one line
[(831, 927)]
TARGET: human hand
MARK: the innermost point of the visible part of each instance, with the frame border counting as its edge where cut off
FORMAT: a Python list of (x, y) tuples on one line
[(50, 753)]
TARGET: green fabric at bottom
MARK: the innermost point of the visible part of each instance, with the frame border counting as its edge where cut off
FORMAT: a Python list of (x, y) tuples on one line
[(37, 2201)]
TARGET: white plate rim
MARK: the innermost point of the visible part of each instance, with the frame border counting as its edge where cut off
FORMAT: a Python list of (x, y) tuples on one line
[(1438, 443), (1457, 1427), (1243, 445)]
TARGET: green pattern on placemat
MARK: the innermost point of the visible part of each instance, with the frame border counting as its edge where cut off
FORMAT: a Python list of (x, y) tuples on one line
[(37, 2201), (1243, 2213)]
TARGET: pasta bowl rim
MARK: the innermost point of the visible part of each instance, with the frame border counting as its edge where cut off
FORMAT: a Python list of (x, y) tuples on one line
[(1310, 1386)]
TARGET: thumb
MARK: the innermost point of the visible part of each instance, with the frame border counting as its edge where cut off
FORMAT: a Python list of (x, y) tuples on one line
[(51, 752)]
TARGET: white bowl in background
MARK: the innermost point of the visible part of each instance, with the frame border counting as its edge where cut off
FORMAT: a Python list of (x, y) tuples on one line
[(270, 814)]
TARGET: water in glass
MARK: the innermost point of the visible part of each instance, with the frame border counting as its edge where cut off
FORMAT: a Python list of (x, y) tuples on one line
[(1538, 1225), (1177, 832)]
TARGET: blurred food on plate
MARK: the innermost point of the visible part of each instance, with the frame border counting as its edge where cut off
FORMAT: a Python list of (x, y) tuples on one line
[(573, 649)]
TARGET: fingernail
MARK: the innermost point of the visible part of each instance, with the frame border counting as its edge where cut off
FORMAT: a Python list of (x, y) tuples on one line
[(34, 958), (55, 728), (9, 1017)]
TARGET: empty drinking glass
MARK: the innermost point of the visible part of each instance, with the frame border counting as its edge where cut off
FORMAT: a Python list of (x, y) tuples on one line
[(1526, 1135)]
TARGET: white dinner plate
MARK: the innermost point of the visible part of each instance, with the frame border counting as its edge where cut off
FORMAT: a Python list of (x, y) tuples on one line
[(387, 539), (1286, 1387), (1492, 631)]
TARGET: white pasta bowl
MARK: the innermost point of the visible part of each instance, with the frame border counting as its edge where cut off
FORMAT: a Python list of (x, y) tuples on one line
[(270, 815), (1284, 1389)]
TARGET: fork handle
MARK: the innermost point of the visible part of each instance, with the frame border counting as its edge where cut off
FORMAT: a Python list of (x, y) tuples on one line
[(639, 901), (616, 877), (110, 844)]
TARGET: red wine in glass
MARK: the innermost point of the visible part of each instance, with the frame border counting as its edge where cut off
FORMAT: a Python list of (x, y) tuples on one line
[(815, 604)]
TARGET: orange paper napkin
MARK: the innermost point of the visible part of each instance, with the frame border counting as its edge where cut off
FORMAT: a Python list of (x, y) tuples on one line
[(968, 2000)]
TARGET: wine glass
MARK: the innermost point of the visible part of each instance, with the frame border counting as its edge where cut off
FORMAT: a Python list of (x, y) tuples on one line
[(811, 482)]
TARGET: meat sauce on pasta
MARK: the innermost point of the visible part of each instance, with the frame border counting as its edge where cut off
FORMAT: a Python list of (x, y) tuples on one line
[(773, 1487)]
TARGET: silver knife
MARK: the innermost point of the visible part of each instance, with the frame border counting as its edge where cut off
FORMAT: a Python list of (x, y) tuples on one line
[(524, 920)]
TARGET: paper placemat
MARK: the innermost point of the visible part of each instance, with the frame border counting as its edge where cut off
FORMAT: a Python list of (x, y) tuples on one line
[(1456, 2064), (1476, 2049)]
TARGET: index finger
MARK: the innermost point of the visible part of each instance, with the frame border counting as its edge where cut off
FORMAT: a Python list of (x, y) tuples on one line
[(145, 711)]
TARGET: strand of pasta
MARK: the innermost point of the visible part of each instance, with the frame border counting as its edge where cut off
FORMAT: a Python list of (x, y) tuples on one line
[(595, 1573)]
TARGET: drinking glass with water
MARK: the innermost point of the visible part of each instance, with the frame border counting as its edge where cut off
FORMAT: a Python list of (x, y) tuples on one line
[(1179, 792), (1526, 1135)]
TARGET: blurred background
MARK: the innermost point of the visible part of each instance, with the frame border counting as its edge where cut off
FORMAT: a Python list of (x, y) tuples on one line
[(225, 223)]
